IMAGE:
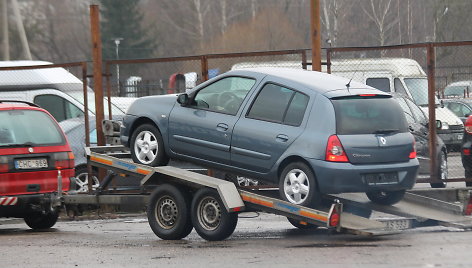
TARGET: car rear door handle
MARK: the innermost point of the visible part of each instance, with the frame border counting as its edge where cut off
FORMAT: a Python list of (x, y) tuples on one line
[(222, 127), (282, 138)]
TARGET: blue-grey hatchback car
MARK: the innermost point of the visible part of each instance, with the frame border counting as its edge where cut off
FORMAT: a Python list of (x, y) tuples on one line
[(310, 132)]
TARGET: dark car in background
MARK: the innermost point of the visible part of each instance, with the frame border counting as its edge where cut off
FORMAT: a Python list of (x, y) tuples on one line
[(418, 126), (466, 150), (310, 132)]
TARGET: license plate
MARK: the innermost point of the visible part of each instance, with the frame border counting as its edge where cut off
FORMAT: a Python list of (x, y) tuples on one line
[(31, 163), (381, 178)]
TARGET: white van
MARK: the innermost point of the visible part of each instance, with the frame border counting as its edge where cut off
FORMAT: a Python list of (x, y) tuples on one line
[(55, 89), (390, 75)]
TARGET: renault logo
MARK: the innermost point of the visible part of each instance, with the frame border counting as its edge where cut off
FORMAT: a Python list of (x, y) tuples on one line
[(30, 150), (383, 140)]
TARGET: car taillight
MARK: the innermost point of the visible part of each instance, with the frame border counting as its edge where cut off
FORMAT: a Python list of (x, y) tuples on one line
[(413, 152), (335, 151), (3, 164), (466, 151), (64, 160), (468, 125)]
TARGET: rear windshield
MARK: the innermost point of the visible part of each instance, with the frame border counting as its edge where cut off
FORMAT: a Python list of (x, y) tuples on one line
[(368, 116), (19, 128)]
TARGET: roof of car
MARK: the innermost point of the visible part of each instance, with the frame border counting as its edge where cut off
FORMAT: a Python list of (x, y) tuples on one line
[(9, 105), (318, 81)]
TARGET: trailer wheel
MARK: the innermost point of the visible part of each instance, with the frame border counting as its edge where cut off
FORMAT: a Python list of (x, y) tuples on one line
[(300, 225), (41, 221), (168, 213), (209, 216), (385, 197)]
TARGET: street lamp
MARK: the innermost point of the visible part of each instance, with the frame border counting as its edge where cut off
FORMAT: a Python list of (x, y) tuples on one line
[(117, 45)]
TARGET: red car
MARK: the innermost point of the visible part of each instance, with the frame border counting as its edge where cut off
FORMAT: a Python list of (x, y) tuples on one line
[(35, 160)]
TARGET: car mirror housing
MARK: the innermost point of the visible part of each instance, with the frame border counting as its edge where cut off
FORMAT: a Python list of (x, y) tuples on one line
[(438, 124), (183, 99)]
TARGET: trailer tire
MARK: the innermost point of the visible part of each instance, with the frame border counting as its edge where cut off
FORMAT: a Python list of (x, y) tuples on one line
[(147, 146), (386, 198), (300, 225), (41, 221), (168, 213), (209, 216)]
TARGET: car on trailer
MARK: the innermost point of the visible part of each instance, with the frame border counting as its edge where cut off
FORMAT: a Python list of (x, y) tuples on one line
[(36, 164), (309, 132)]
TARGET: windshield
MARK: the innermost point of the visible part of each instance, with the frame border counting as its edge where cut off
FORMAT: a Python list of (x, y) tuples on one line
[(79, 96), (418, 88), (368, 116), (459, 91), (20, 128)]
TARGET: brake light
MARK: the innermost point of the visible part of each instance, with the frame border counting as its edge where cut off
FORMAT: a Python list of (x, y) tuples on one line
[(466, 151), (468, 125), (367, 95), (3, 164), (413, 152), (335, 151), (64, 160)]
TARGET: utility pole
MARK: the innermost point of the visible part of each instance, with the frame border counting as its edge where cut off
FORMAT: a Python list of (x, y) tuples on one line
[(6, 41), (315, 35)]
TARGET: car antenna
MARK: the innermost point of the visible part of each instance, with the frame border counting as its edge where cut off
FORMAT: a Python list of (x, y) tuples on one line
[(348, 85)]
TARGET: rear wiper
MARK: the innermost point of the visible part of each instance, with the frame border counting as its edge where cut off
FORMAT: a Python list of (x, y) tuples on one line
[(26, 144), (386, 131)]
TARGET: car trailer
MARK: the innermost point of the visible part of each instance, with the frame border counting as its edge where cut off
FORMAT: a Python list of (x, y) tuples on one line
[(179, 200)]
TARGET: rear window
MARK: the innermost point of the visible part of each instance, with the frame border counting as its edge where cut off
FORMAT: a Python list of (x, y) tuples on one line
[(28, 128), (368, 116)]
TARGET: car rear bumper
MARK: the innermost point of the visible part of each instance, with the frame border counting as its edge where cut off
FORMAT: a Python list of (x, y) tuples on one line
[(20, 205), (336, 177)]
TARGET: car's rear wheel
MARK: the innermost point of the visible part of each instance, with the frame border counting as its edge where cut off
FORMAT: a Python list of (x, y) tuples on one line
[(82, 178), (297, 185), (442, 172), (302, 225), (386, 197), (41, 221), (147, 146)]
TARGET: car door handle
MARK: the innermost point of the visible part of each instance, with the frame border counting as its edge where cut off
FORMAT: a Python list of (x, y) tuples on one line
[(222, 127), (282, 138)]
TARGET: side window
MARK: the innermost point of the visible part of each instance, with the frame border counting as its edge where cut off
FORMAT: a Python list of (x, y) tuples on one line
[(59, 107), (408, 113), (379, 83), (399, 87), (225, 95), (71, 110), (466, 110), (279, 104), (417, 112), (455, 108)]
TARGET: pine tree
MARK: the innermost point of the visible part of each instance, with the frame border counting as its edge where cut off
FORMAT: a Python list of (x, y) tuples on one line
[(123, 19)]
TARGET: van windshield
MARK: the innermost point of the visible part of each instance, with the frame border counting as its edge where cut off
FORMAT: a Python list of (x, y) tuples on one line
[(20, 128), (418, 88), (368, 116)]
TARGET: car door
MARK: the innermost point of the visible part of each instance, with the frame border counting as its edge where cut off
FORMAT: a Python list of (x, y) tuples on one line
[(271, 124), (204, 128)]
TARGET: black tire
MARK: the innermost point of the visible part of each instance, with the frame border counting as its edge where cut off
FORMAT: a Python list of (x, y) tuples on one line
[(209, 216), (168, 213), (81, 178), (302, 191), (468, 175), (41, 221), (301, 225), (386, 198), (442, 172), (147, 146)]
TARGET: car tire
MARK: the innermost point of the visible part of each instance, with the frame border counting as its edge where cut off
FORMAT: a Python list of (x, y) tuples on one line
[(147, 146), (386, 198), (210, 218), (297, 185), (302, 225), (168, 212), (81, 179), (41, 221), (442, 172), (468, 175)]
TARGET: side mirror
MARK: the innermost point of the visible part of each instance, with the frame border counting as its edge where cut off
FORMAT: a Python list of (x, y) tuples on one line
[(183, 99), (438, 124)]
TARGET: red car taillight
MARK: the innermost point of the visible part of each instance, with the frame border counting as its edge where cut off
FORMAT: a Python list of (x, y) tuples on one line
[(413, 152), (3, 164), (468, 125), (335, 151), (64, 160)]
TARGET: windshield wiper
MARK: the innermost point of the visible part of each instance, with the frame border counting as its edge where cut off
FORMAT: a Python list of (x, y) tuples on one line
[(26, 144), (386, 131)]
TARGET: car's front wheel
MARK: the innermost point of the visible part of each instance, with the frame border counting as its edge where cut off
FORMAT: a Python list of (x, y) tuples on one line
[(386, 198), (147, 146), (297, 185)]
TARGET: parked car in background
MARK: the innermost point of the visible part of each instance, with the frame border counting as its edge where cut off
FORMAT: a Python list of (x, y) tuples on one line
[(310, 132), (33, 149), (460, 107), (466, 150), (418, 126), (461, 89)]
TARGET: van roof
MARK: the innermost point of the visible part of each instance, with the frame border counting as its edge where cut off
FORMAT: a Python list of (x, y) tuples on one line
[(45, 76)]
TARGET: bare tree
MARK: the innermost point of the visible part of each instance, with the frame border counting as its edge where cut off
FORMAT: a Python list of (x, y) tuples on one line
[(378, 11)]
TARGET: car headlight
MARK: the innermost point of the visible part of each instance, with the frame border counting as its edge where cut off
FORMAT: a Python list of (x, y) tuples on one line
[(444, 125)]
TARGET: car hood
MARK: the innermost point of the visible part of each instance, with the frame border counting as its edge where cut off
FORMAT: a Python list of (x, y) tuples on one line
[(157, 102), (445, 115)]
